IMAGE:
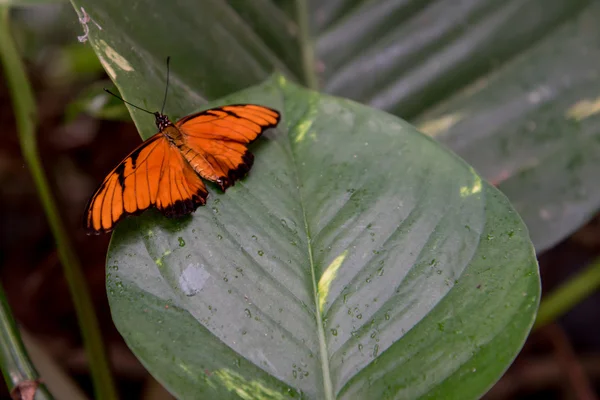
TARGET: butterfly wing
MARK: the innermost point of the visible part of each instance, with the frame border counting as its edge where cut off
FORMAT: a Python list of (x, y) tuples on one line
[(214, 141), (154, 174)]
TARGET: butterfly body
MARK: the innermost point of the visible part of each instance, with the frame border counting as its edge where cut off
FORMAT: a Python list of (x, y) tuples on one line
[(165, 171)]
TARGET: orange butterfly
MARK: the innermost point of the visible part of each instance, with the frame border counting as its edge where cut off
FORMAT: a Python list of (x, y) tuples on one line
[(165, 170)]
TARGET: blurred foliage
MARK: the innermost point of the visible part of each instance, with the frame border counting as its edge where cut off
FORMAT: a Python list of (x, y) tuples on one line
[(499, 82)]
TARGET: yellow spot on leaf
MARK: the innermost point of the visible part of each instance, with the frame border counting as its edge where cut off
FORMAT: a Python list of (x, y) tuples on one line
[(159, 261), (111, 55), (107, 67), (302, 128), (281, 80), (584, 109), (243, 387), (328, 277), (440, 125), (471, 190)]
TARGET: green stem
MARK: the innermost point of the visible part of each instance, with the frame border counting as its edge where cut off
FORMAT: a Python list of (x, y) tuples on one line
[(15, 363), (306, 45), (25, 112), (569, 294)]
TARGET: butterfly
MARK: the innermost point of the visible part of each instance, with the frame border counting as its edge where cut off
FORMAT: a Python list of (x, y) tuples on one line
[(165, 171)]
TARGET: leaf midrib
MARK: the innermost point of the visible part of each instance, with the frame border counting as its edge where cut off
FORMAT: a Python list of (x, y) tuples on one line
[(310, 80), (324, 357)]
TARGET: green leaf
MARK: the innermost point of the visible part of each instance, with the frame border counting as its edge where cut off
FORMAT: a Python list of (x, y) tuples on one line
[(533, 129), (275, 29), (359, 259), (213, 51), (524, 64)]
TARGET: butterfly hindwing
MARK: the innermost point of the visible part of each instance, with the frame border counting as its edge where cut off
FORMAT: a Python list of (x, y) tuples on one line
[(154, 174), (214, 141)]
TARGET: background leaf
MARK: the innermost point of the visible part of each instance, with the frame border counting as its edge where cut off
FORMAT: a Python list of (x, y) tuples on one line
[(532, 129), (404, 56), (215, 52), (347, 265), (526, 63)]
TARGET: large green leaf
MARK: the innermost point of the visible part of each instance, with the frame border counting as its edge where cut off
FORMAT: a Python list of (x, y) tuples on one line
[(404, 56), (359, 259)]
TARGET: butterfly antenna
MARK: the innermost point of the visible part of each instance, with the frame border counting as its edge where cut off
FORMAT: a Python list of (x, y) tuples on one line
[(166, 87), (126, 102)]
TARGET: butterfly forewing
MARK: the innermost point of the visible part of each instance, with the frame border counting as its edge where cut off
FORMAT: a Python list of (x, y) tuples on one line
[(154, 174)]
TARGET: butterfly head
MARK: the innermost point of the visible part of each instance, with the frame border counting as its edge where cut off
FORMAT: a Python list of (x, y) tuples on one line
[(162, 121)]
